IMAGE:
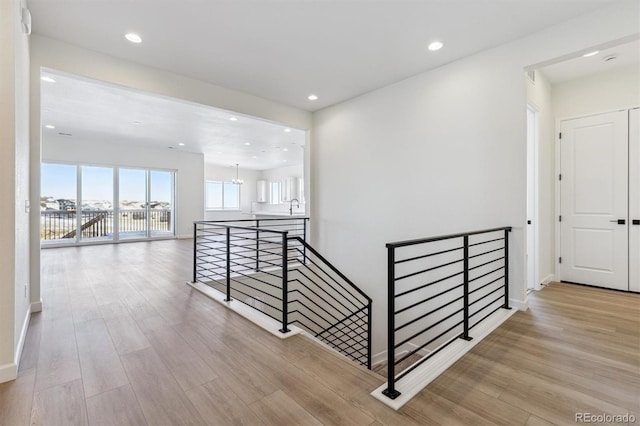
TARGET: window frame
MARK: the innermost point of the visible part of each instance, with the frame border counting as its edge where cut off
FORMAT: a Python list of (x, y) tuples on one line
[(222, 184)]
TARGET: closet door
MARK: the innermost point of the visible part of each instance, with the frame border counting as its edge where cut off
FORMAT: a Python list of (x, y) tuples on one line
[(634, 200), (594, 193)]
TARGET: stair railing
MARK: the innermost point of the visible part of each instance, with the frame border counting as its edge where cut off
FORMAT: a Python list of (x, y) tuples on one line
[(439, 288), (268, 265)]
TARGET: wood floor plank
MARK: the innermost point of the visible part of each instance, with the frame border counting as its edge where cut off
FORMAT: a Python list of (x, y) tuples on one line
[(58, 361), (219, 405), (160, 397), (99, 361), (16, 398), (60, 405), (126, 335), (279, 409), (115, 407)]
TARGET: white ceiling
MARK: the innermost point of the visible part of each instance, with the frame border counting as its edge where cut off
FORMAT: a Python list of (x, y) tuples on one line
[(626, 55), (97, 113), (284, 49)]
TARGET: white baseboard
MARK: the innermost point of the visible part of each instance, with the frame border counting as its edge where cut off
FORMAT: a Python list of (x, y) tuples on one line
[(548, 279), (8, 372), (519, 304), (36, 307), (185, 237), (23, 338), (424, 374)]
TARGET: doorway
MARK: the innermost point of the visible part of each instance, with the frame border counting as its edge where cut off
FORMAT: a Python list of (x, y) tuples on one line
[(599, 211)]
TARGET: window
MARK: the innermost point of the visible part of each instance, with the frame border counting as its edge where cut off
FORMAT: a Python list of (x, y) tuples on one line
[(274, 193), (222, 195)]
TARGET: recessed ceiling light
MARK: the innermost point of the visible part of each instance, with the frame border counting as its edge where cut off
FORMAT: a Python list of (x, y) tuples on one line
[(171, 147), (133, 38), (181, 144), (286, 149), (50, 126), (312, 97), (255, 156), (609, 58), (47, 79), (284, 161), (595, 52), (287, 130), (233, 119), (436, 45), (137, 122), (247, 143)]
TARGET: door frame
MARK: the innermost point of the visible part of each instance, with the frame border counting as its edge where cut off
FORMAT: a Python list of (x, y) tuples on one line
[(558, 195), (533, 162)]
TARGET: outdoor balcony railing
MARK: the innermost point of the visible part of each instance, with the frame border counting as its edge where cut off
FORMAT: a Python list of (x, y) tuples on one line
[(62, 224)]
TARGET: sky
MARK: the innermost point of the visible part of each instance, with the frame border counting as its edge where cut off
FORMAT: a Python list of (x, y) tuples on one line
[(60, 181)]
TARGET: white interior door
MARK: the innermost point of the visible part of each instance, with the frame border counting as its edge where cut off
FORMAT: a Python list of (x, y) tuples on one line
[(634, 200), (594, 225)]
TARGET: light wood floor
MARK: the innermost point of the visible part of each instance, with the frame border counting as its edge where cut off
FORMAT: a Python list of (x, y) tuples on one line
[(122, 340)]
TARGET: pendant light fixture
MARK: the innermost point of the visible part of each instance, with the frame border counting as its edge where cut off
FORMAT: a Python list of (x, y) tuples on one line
[(237, 180)]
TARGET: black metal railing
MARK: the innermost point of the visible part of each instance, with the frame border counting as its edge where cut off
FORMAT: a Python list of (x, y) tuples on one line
[(62, 224), (268, 265), (439, 289)]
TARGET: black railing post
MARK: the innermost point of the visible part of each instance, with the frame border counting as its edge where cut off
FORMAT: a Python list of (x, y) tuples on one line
[(195, 251), (304, 238), (257, 245), (369, 335), (465, 333), (285, 284), (506, 269), (228, 299), (391, 391)]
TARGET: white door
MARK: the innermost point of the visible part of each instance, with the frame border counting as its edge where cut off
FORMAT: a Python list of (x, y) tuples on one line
[(634, 200), (594, 200)]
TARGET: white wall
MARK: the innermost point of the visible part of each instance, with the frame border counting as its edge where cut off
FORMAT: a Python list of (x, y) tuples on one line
[(602, 92), (49, 53), (189, 168), (247, 190), (539, 96), (440, 152), (14, 187)]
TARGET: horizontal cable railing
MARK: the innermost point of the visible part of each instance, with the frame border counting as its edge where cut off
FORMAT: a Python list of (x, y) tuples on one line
[(439, 289), (268, 265)]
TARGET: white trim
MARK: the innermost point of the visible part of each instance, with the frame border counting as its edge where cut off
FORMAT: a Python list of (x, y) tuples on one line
[(185, 237), (258, 318), (23, 338), (547, 279), (8, 372), (558, 198), (417, 380), (521, 305)]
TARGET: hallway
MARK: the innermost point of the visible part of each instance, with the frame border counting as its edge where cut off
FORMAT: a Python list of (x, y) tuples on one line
[(122, 340)]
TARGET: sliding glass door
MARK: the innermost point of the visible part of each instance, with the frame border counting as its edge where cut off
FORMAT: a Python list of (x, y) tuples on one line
[(133, 218), (96, 209), (105, 204), (161, 203), (58, 202)]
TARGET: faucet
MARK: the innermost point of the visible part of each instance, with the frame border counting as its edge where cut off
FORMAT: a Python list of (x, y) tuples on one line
[(291, 205)]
